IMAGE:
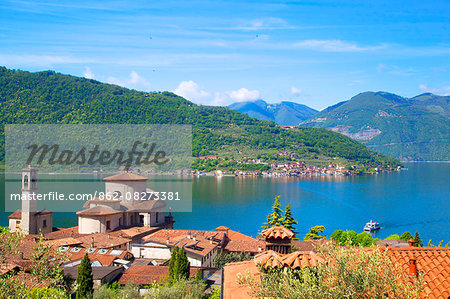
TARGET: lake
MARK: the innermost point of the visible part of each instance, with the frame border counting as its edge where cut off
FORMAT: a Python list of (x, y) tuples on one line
[(415, 199)]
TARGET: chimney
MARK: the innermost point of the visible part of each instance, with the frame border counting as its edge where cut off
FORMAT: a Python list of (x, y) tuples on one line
[(168, 241), (210, 241), (71, 233), (412, 266), (21, 255), (411, 242), (92, 242), (189, 235), (109, 236), (195, 237)]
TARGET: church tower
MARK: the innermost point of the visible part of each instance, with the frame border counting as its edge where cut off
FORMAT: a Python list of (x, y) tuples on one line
[(29, 200)]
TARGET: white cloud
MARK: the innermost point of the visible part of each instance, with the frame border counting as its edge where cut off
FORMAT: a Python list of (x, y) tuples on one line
[(296, 91), (333, 46), (192, 92), (134, 80), (88, 74), (243, 95), (445, 91)]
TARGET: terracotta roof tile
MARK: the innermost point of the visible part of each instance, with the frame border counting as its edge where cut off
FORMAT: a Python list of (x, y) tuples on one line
[(432, 262), (277, 232), (101, 240), (62, 242), (60, 233), (16, 215), (126, 176), (252, 246), (99, 210), (146, 274), (7, 267)]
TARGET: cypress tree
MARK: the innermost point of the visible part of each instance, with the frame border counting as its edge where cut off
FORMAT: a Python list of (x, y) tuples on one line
[(417, 240), (275, 218), (288, 220), (184, 267), (173, 265), (179, 266), (85, 282)]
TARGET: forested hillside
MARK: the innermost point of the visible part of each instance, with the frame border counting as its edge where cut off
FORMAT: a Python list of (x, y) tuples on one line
[(414, 129), (49, 97)]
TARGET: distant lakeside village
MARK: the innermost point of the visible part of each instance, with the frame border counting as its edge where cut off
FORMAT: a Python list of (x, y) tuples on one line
[(133, 243)]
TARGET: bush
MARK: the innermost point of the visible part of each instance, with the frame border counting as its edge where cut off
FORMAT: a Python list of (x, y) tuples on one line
[(181, 289), (46, 293)]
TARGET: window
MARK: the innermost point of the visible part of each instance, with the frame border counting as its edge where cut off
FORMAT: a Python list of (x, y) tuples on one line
[(108, 224), (157, 216), (44, 223), (25, 182)]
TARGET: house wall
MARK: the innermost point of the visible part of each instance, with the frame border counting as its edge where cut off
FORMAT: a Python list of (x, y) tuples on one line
[(150, 250), (14, 225), (87, 225), (40, 223)]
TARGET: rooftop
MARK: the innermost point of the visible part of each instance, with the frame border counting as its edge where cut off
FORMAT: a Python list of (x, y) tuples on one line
[(277, 232), (146, 274), (125, 176)]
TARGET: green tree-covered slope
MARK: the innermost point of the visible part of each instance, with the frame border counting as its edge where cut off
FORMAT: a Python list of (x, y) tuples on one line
[(48, 97), (415, 129)]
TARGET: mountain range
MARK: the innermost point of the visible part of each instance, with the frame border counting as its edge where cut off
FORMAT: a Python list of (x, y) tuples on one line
[(51, 98), (410, 129), (284, 113)]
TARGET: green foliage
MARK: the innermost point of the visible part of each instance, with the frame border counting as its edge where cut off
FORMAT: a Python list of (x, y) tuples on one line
[(417, 240), (351, 238), (199, 274), (85, 282), (406, 236), (10, 287), (393, 237), (51, 98), (112, 292), (288, 220), (179, 266), (46, 293), (410, 129), (224, 258), (181, 289), (275, 218), (314, 233), (215, 294)]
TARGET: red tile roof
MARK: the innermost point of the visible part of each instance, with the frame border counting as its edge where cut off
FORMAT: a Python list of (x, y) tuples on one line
[(145, 274), (16, 215), (126, 176), (60, 233), (252, 246), (432, 262), (100, 240), (277, 232), (7, 267)]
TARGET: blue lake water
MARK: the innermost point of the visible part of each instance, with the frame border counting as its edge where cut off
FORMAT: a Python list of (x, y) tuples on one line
[(415, 199)]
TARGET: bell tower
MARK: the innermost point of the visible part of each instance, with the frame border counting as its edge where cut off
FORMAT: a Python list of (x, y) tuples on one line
[(29, 200)]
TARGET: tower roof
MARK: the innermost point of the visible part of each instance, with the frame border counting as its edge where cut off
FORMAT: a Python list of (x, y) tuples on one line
[(277, 232), (124, 177)]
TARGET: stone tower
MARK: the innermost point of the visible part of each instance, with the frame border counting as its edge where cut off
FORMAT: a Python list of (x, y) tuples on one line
[(29, 200)]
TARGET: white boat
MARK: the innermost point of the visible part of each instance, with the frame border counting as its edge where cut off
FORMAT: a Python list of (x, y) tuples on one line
[(371, 226)]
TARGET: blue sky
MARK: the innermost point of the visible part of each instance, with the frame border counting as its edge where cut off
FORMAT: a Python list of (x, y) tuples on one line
[(217, 52)]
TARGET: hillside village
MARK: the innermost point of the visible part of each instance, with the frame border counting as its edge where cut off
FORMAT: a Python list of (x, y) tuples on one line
[(131, 242)]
